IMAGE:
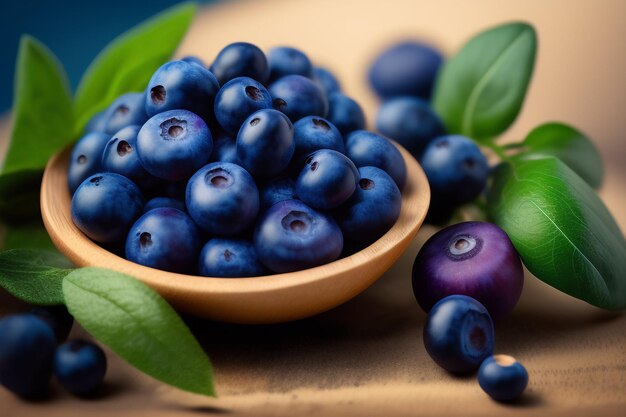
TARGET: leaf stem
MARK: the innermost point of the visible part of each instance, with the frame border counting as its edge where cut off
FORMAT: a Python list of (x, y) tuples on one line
[(497, 149)]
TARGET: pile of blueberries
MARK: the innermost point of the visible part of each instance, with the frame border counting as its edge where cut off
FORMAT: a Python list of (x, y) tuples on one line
[(403, 76), (33, 347), (257, 164)]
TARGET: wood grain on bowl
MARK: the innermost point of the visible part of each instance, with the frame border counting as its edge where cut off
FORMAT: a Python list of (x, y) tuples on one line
[(266, 299)]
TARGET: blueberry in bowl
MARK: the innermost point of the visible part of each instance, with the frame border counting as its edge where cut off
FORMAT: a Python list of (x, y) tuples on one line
[(243, 203)]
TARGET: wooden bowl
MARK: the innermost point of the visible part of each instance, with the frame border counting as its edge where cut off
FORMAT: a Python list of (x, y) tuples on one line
[(266, 299)]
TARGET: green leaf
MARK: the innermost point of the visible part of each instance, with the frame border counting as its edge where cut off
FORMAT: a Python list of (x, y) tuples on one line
[(480, 90), (34, 276), (129, 61), (570, 146), (30, 235), (43, 120), (136, 323), (561, 229)]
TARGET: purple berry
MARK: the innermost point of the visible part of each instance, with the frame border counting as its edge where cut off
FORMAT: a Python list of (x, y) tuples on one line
[(476, 259)]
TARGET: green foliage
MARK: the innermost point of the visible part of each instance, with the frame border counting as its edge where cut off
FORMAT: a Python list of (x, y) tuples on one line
[(570, 146), (138, 325), (561, 229), (34, 276), (480, 90)]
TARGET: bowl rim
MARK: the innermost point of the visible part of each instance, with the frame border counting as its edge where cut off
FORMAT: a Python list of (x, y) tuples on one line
[(84, 252)]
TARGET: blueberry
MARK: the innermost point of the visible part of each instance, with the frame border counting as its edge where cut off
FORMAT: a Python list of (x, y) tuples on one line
[(373, 208), (345, 113), (265, 143), (284, 60), (222, 198), (105, 205), (26, 353), (327, 80), (174, 144), (369, 149), (180, 85), (120, 156), (164, 238), (128, 109), (230, 259), (312, 133), (405, 69), (160, 202), (79, 366), (225, 150), (298, 96), (502, 377), (58, 318), (192, 59), (458, 333), (410, 121), (277, 189), (472, 258), (292, 236), (96, 123), (238, 99), (240, 59), (457, 170), (327, 179), (86, 158)]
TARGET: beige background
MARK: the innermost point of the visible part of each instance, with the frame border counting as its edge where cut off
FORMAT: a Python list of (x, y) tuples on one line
[(366, 357)]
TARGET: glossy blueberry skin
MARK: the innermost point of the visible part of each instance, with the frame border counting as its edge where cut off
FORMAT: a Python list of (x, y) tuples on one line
[(284, 60), (96, 123), (457, 170), (27, 346), (174, 144), (292, 236), (86, 158), (164, 238), (265, 143), (366, 148), (330, 84), (277, 189), (79, 366), (182, 85), (225, 150), (57, 317), (405, 69), (327, 180), (105, 205), (240, 59), (192, 59), (409, 121), (312, 133), (223, 199), (128, 109), (458, 334), (120, 156), (373, 208), (345, 113), (502, 377), (238, 99), (476, 259), (228, 258), (161, 202), (298, 97)]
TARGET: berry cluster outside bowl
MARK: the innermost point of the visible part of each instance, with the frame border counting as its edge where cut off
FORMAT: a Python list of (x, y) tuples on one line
[(264, 299)]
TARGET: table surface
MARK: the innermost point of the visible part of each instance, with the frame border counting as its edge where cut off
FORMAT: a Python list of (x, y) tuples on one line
[(366, 357)]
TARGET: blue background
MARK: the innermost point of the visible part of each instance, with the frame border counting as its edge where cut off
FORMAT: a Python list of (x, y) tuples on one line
[(74, 30)]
